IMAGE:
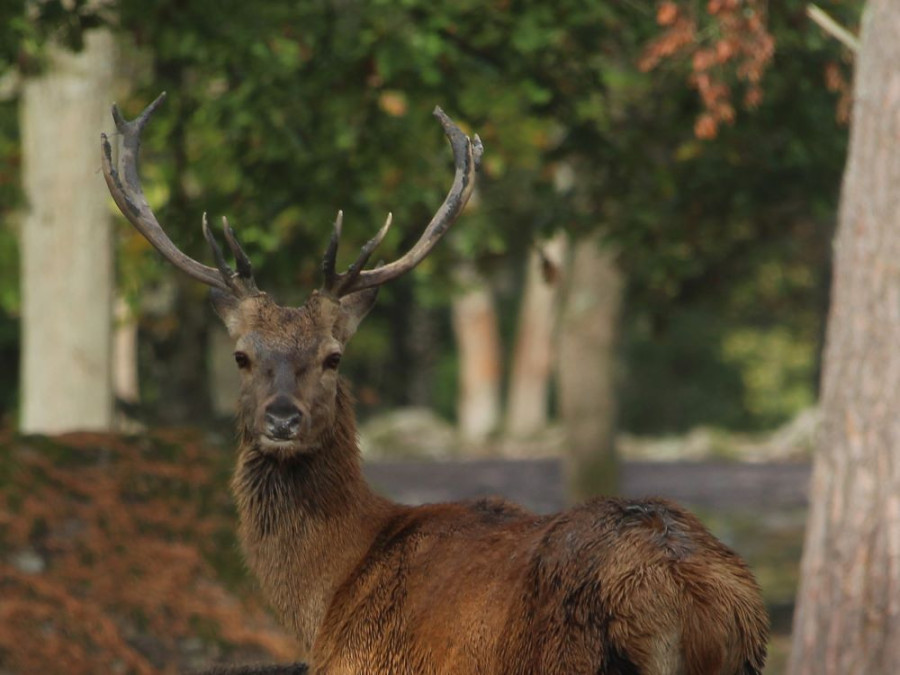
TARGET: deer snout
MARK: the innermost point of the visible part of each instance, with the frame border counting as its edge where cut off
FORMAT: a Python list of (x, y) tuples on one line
[(283, 419)]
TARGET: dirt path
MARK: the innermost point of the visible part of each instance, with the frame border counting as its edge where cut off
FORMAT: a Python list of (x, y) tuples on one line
[(538, 484)]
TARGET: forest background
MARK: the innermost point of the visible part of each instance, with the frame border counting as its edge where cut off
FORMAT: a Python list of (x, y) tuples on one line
[(708, 160)]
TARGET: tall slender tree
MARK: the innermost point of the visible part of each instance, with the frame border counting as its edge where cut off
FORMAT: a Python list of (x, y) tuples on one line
[(848, 614), (478, 341), (66, 242), (527, 407), (590, 324)]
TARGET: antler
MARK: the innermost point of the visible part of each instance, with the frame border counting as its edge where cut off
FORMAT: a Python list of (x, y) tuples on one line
[(467, 158), (125, 186), (129, 197)]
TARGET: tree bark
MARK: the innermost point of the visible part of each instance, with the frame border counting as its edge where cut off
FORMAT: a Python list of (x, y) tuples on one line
[(478, 343), (67, 278), (529, 381), (848, 610), (587, 349)]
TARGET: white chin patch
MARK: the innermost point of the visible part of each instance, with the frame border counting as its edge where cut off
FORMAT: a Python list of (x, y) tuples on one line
[(279, 446)]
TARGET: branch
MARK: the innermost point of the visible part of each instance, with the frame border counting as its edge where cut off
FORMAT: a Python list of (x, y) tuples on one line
[(832, 27)]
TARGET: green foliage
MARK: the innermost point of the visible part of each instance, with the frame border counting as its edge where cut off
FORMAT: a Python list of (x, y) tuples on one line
[(265, 115), (27, 27), (731, 255), (280, 113), (10, 198)]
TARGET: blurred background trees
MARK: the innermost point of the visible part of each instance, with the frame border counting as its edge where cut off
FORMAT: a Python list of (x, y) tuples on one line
[(707, 162)]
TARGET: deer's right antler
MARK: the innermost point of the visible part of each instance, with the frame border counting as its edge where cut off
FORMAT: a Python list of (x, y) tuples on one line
[(125, 186), (467, 158)]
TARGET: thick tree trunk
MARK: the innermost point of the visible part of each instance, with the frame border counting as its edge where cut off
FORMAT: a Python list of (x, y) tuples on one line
[(478, 343), (67, 276), (848, 612), (529, 381), (587, 347)]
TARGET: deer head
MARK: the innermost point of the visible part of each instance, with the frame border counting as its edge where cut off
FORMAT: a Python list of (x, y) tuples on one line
[(288, 357)]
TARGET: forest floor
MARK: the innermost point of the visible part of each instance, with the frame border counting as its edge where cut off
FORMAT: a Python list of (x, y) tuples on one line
[(117, 554)]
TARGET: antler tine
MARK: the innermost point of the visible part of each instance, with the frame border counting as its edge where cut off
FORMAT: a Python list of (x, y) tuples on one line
[(329, 261), (225, 272), (129, 196), (244, 267), (347, 279), (467, 159)]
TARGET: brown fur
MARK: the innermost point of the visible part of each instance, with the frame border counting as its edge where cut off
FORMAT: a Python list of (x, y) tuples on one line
[(609, 587)]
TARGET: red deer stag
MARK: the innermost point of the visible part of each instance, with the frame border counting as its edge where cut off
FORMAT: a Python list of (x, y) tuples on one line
[(371, 586)]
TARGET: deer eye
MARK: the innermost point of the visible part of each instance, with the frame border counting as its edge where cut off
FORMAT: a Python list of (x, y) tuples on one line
[(332, 361), (242, 360)]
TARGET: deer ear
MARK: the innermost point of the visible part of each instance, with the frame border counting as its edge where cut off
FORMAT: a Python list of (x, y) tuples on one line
[(354, 308), (226, 305)]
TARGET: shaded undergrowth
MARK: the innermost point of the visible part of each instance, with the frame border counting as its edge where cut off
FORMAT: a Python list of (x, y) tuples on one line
[(117, 556)]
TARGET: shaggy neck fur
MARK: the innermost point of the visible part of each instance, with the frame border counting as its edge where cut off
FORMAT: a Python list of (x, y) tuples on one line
[(306, 520)]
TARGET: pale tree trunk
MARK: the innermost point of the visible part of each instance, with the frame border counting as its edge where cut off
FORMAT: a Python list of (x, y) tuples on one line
[(587, 364), (532, 358), (848, 611), (66, 243), (125, 377), (478, 346), (126, 384)]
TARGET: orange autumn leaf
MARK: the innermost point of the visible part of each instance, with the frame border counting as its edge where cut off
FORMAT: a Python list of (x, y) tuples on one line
[(666, 14)]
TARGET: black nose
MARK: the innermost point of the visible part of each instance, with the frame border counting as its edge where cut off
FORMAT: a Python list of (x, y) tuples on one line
[(283, 419)]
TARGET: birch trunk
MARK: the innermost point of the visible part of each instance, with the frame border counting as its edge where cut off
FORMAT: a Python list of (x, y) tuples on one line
[(529, 381), (478, 343), (126, 382), (66, 253)]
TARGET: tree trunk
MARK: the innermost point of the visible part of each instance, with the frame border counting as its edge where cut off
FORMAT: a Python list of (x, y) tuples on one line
[(67, 278), (848, 611), (529, 380), (478, 342), (126, 383), (587, 350)]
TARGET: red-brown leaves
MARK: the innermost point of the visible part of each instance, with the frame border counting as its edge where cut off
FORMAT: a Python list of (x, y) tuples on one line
[(667, 13), (729, 42), (116, 531), (837, 81)]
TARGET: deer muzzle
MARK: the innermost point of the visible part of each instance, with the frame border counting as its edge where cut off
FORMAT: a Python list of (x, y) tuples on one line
[(283, 419)]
